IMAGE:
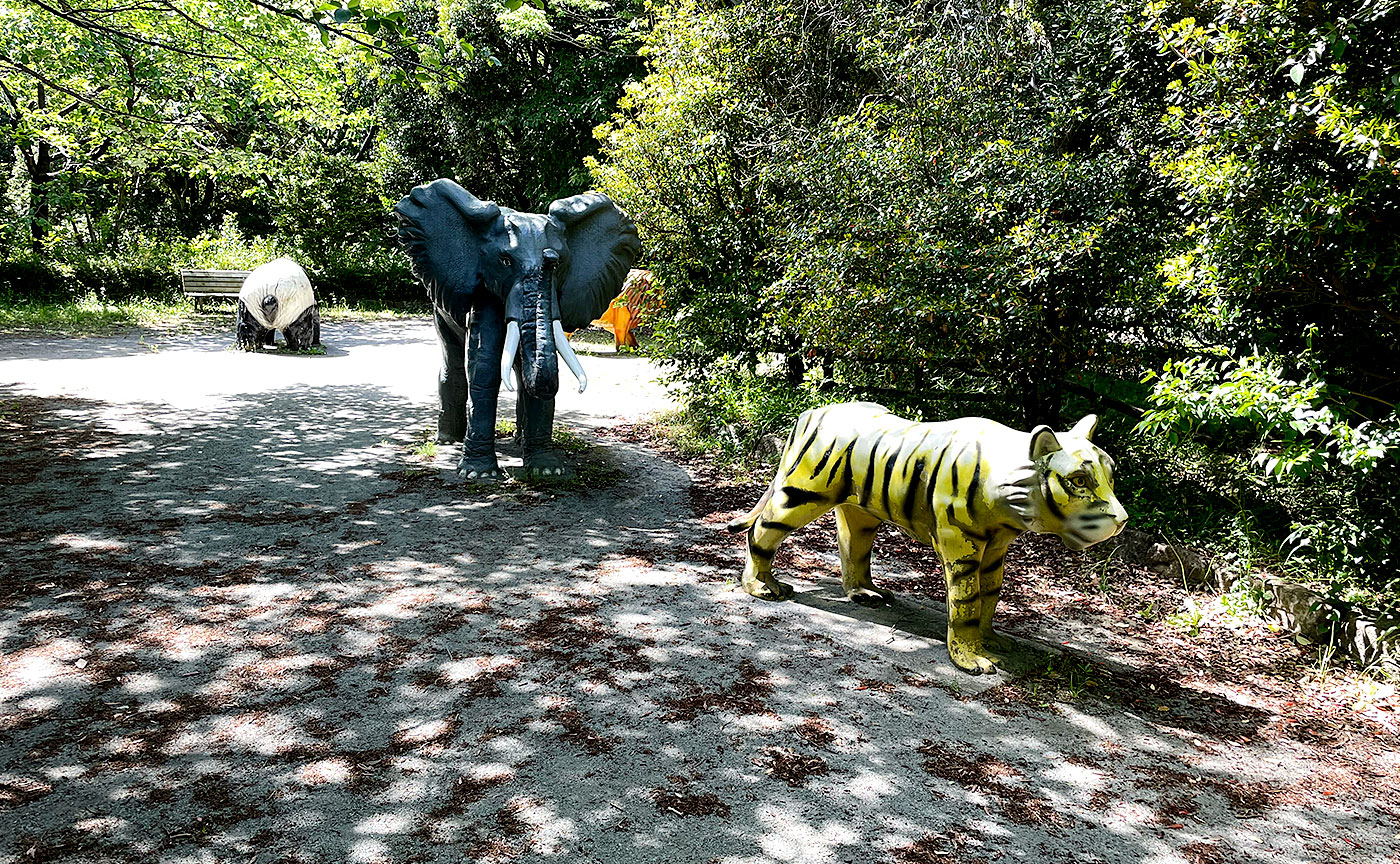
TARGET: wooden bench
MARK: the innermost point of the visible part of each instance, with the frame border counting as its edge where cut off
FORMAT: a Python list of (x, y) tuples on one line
[(200, 285)]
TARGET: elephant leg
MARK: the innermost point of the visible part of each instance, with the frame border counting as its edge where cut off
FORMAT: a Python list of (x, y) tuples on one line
[(301, 334), (536, 433), (452, 382), (249, 334), (485, 340)]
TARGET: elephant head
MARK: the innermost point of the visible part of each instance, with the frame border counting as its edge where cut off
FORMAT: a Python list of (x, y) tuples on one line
[(553, 273)]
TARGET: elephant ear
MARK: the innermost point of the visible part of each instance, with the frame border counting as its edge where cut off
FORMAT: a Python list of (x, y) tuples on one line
[(441, 227), (602, 244)]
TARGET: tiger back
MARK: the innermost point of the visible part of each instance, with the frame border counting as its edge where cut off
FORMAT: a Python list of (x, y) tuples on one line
[(966, 487)]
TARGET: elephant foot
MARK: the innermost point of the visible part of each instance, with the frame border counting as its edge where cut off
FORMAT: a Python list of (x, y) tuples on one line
[(545, 465), (870, 597), (451, 430), (480, 469)]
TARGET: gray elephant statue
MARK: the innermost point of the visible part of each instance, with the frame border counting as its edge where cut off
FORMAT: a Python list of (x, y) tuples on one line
[(506, 288)]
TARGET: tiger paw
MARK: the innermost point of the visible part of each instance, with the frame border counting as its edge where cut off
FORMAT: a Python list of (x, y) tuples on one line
[(770, 589), (869, 597), (972, 659)]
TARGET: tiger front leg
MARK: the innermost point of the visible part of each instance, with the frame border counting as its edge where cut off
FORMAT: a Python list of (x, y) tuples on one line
[(758, 578), (994, 646), (855, 535), (788, 509), (962, 564)]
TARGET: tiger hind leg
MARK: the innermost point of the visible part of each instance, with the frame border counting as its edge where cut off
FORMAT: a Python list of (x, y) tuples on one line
[(787, 510), (855, 535)]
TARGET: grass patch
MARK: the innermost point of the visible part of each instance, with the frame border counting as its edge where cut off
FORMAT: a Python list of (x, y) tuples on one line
[(693, 435), (91, 316)]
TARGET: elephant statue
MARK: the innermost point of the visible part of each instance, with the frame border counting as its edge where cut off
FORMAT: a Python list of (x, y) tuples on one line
[(506, 287)]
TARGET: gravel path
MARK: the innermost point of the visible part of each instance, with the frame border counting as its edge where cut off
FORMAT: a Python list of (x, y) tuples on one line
[(242, 622)]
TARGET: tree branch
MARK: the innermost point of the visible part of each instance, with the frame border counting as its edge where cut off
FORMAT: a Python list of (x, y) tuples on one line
[(121, 36), (45, 80)]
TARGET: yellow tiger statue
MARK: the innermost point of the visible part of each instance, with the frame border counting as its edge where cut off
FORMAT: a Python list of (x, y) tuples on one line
[(965, 487)]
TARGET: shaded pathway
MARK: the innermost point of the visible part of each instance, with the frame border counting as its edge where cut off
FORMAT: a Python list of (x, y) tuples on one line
[(240, 623)]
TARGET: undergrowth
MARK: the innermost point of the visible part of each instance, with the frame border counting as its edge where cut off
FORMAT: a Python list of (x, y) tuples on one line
[(1181, 491)]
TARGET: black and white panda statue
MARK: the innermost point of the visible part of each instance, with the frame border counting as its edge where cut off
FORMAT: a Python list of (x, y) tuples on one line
[(278, 296)]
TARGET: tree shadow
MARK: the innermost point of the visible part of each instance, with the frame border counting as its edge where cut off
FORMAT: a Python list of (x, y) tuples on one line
[(267, 633)]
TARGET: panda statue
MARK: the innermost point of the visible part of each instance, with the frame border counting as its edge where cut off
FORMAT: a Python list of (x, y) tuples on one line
[(278, 296)]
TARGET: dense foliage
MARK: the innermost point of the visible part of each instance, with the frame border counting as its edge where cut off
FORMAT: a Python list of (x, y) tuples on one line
[(1003, 209), (914, 202), (216, 133), (534, 82)]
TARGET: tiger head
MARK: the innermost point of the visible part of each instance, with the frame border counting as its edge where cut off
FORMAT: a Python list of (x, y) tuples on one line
[(1071, 493)]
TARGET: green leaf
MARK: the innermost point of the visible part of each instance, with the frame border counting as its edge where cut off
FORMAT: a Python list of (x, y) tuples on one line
[(342, 15), (1296, 73)]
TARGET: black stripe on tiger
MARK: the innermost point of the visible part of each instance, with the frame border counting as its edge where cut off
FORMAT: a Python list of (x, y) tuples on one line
[(933, 478), (779, 526), (868, 481), (760, 553), (890, 465), (1050, 503), (848, 479), (806, 445), (911, 497), (792, 436), (990, 566), (842, 461), (975, 483), (831, 448), (796, 496)]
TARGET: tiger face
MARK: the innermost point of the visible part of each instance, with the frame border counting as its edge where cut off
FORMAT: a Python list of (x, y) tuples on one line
[(1075, 486)]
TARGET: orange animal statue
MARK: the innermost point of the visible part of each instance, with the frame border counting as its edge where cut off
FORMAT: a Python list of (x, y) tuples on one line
[(632, 307)]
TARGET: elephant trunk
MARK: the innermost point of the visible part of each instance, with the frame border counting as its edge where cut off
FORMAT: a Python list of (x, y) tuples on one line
[(539, 365)]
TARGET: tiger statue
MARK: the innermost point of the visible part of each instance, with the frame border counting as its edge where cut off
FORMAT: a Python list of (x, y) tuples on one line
[(965, 487)]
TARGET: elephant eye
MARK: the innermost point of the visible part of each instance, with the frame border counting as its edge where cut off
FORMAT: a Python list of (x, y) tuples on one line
[(506, 261)]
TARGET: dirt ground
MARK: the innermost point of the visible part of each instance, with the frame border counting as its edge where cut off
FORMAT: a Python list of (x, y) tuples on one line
[(246, 618)]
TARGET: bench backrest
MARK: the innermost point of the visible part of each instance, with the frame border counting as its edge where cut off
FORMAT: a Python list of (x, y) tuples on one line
[(212, 281)]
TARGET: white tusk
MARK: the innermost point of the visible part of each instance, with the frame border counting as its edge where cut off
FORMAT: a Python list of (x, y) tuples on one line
[(508, 355), (561, 344)]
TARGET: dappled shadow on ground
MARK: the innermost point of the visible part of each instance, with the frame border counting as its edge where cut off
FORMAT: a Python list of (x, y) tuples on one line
[(209, 333), (267, 634)]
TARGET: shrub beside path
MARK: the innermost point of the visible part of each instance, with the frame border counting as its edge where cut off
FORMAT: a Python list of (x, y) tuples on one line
[(246, 618)]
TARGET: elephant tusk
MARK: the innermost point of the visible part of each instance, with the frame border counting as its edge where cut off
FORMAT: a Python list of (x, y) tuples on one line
[(508, 355), (561, 344)]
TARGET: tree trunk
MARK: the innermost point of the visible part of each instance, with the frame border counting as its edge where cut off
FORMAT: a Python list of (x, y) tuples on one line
[(40, 175)]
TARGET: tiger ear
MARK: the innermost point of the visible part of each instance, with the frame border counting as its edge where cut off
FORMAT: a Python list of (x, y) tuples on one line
[(1085, 427), (1043, 443)]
